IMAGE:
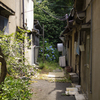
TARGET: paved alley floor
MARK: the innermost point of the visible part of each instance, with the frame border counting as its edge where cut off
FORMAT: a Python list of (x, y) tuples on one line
[(45, 90)]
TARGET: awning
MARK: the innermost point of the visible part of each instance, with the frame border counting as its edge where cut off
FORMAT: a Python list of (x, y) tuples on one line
[(5, 11)]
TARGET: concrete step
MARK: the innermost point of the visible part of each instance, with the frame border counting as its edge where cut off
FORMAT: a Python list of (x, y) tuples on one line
[(74, 91), (56, 74), (80, 97), (71, 91), (57, 70), (74, 77)]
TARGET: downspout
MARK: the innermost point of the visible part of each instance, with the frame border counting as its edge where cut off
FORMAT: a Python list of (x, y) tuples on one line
[(20, 11), (23, 39), (91, 36), (79, 60), (23, 15)]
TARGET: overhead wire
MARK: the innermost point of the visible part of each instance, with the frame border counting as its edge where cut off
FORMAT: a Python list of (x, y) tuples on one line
[(84, 10), (51, 4), (79, 17), (61, 19)]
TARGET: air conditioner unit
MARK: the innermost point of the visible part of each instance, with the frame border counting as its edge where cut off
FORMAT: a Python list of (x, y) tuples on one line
[(60, 46), (62, 61)]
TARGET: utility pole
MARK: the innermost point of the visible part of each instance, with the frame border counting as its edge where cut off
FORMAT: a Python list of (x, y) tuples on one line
[(43, 43)]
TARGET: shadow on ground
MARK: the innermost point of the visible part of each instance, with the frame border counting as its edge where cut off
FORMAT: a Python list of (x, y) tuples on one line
[(44, 90)]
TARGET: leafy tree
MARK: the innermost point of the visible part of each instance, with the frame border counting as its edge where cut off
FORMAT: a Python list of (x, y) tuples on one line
[(48, 12), (51, 13)]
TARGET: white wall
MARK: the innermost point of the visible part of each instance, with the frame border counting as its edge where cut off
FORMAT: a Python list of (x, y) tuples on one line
[(29, 19), (29, 16)]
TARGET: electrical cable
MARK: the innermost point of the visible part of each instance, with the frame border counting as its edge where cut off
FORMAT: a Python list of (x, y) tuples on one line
[(58, 5), (61, 19), (84, 10), (79, 17)]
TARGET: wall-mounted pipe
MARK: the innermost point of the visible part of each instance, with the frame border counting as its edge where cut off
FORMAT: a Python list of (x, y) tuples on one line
[(23, 15), (24, 28), (20, 11), (79, 59)]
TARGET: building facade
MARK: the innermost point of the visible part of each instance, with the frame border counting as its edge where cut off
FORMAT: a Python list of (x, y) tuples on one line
[(82, 45), (19, 13)]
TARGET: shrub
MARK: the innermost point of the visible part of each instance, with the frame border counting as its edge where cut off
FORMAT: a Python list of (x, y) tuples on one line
[(12, 48), (50, 52), (15, 89), (41, 65)]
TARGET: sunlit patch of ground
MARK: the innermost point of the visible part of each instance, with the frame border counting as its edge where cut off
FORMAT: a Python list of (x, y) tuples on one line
[(51, 77)]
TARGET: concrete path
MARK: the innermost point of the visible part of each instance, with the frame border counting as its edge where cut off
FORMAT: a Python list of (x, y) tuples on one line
[(45, 90), (56, 74), (45, 86)]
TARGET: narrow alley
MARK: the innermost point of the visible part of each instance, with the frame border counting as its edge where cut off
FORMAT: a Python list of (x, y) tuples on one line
[(49, 50), (44, 90), (49, 89)]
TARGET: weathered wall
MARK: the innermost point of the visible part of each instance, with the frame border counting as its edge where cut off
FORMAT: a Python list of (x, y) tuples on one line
[(67, 51), (85, 82), (14, 20), (83, 72), (88, 14), (73, 54), (29, 18), (85, 62), (96, 51), (28, 51), (70, 52), (18, 14), (88, 11)]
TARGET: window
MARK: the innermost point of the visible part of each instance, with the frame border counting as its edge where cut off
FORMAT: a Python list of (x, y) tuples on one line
[(4, 25)]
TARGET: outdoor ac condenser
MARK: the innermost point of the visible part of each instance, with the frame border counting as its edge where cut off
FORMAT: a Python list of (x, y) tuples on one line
[(60, 46)]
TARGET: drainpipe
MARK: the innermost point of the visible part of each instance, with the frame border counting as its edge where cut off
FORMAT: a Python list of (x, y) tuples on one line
[(79, 60), (91, 36), (23, 39), (20, 11), (23, 15)]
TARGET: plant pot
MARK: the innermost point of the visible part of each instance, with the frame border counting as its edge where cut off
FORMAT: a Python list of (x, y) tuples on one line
[(68, 68)]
